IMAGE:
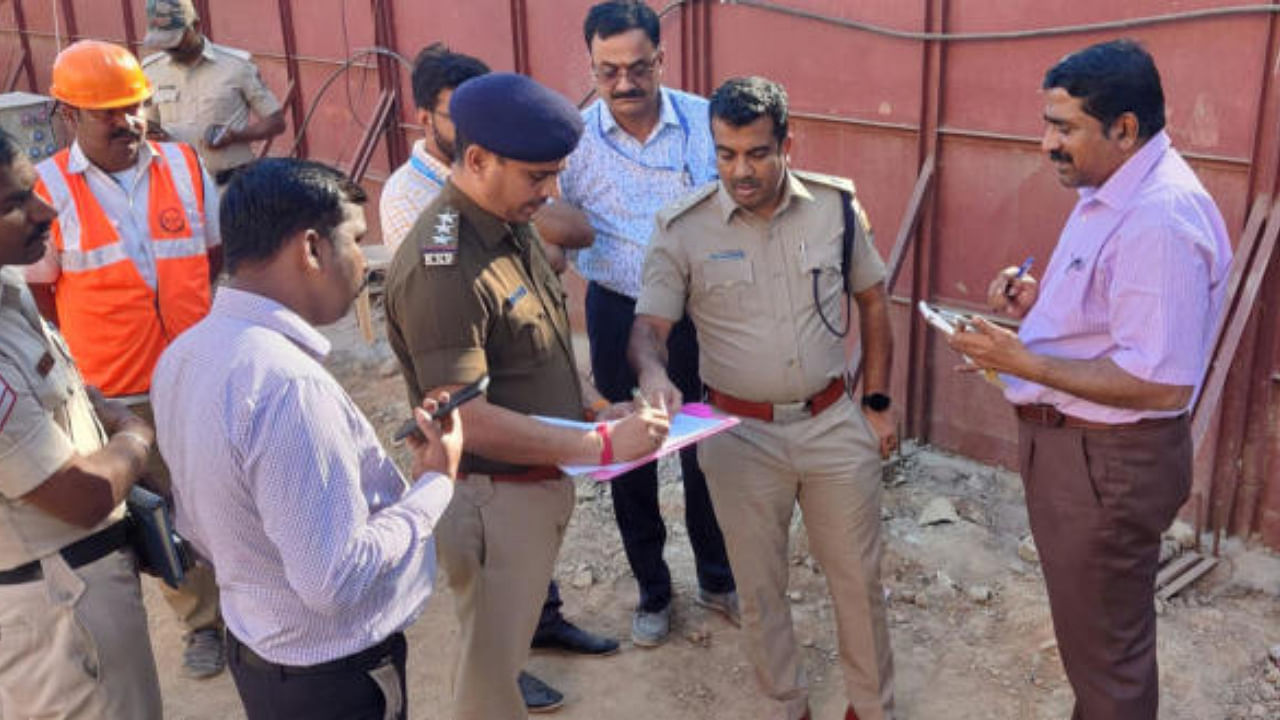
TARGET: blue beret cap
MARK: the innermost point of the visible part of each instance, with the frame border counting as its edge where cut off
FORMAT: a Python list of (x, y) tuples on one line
[(516, 117)]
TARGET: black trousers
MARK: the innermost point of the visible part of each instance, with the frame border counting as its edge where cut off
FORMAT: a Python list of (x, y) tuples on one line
[(356, 687), (635, 494)]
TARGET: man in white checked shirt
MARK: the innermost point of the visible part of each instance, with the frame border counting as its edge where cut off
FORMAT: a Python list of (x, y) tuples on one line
[(325, 553)]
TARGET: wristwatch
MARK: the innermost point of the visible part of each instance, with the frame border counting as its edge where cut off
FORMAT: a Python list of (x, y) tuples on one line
[(876, 402)]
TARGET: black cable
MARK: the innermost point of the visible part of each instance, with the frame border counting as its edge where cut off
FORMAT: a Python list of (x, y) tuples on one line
[(328, 82), (822, 315)]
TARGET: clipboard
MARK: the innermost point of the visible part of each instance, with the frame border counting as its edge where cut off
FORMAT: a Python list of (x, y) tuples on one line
[(694, 422), (949, 323)]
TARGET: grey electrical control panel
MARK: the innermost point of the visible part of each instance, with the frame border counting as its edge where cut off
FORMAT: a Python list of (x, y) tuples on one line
[(29, 118)]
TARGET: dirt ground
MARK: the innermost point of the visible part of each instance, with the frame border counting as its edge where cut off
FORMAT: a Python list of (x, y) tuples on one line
[(968, 615)]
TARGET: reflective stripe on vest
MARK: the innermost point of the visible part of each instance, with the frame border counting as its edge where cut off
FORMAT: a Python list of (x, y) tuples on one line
[(115, 324)]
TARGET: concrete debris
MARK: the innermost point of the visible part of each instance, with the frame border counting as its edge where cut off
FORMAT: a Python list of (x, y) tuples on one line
[(1182, 533), (583, 579), (796, 596), (1028, 552), (980, 594), (939, 510)]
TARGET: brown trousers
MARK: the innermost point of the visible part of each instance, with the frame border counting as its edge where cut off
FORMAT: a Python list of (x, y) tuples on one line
[(1098, 501)]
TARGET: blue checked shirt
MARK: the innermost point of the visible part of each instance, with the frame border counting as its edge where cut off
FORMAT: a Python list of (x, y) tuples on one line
[(320, 547), (621, 183)]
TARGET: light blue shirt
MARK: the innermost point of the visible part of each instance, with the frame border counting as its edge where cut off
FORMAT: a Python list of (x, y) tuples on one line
[(621, 183), (320, 548)]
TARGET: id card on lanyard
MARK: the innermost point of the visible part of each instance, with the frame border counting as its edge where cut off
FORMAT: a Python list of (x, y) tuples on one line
[(685, 169)]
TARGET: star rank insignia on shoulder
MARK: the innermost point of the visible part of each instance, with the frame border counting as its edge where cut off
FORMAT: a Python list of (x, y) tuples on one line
[(442, 247)]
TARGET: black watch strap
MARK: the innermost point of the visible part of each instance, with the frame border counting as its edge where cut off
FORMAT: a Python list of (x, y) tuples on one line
[(876, 401)]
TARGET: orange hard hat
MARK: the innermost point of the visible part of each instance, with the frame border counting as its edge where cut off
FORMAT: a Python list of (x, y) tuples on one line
[(92, 74)]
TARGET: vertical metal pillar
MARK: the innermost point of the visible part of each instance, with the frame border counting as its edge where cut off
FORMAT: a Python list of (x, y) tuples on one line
[(920, 347), (130, 32), (384, 33), (285, 8), (520, 37), (21, 19), (69, 14)]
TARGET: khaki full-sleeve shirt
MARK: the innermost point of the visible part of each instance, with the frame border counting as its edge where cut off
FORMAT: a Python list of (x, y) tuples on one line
[(749, 285)]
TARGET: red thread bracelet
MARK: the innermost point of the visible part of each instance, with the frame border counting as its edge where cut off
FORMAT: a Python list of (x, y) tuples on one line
[(606, 444)]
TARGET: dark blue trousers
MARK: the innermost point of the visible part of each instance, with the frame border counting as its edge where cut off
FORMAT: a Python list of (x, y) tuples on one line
[(635, 494)]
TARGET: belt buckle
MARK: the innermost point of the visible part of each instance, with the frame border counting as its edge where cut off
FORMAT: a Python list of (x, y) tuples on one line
[(787, 413)]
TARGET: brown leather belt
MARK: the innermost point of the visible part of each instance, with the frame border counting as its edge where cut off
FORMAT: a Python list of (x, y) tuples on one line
[(1050, 416), (775, 412), (533, 474), (81, 552)]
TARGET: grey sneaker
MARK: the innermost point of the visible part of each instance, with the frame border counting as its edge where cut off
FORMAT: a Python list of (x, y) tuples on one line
[(725, 603), (650, 629), (205, 655)]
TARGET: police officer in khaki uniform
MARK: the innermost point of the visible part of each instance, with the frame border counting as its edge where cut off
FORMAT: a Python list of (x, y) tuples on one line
[(73, 632), (756, 259), (470, 293), (204, 92)]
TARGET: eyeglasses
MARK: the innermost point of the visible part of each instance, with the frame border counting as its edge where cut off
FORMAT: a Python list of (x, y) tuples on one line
[(636, 72)]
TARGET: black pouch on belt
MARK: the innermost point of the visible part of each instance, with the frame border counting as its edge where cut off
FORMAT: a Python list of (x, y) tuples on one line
[(160, 550)]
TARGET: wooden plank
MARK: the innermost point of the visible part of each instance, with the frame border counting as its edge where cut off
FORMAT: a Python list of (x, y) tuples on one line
[(906, 231), (1190, 576), (1176, 567), (1213, 388), (1244, 252)]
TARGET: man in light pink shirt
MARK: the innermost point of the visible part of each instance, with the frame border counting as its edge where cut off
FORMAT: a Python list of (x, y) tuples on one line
[(1110, 355)]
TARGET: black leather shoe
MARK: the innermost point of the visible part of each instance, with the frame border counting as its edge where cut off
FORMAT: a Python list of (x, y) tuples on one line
[(539, 697), (568, 637)]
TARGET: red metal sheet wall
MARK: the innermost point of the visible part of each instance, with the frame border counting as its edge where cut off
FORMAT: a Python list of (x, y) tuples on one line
[(865, 105)]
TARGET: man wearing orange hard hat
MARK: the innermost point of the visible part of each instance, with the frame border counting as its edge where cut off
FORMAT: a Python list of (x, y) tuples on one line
[(130, 262)]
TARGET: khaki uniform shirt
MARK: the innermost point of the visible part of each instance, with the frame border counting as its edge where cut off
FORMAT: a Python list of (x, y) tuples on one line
[(469, 294), (748, 284), (45, 417), (219, 89)]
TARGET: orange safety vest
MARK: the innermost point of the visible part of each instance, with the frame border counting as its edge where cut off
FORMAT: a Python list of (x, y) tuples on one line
[(115, 324)]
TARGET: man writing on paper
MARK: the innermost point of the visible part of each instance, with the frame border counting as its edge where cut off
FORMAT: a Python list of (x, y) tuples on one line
[(756, 261), (471, 293), (1111, 350)]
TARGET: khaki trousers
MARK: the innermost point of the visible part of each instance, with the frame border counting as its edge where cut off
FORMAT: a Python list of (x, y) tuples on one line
[(74, 644), (195, 602), (498, 543), (830, 464)]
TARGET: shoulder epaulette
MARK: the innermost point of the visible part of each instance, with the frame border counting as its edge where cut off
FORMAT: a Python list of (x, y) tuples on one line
[(439, 245), (233, 52), (668, 214), (833, 181)]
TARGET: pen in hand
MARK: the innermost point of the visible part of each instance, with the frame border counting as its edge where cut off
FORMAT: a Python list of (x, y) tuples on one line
[(1010, 288)]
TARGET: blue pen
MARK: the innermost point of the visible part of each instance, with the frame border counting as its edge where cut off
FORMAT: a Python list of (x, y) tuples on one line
[(1025, 267)]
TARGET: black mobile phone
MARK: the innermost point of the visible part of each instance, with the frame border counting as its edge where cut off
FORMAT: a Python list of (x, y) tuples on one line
[(464, 394)]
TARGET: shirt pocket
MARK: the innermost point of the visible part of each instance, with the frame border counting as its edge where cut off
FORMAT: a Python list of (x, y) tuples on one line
[(820, 266), (727, 284), (528, 326)]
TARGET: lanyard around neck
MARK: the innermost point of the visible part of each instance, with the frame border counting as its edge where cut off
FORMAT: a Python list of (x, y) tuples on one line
[(422, 167), (686, 168)]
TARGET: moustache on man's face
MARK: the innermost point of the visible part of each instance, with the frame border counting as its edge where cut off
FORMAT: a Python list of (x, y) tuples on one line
[(629, 95), (1059, 156)]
